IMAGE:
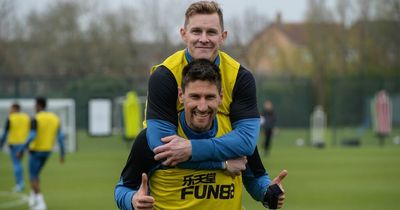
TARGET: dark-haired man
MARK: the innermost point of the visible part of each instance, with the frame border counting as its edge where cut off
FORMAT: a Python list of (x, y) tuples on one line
[(45, 129), (210, 184), (15, 133)]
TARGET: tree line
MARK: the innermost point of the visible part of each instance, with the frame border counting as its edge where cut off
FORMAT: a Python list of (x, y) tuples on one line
[(76, 38)]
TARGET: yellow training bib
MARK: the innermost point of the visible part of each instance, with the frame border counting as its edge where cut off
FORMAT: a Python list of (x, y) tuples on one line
[(47, 125), (190, 189), (19, 128)]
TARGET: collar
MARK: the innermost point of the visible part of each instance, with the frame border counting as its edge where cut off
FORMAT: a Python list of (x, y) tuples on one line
[(189, 58)]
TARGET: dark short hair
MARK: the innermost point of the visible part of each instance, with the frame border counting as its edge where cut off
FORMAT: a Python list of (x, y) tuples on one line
[(201, 69), (16, 106), (41, 101)]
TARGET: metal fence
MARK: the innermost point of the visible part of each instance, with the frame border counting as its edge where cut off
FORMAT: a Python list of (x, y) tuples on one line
[(347, 99), (79, 89)]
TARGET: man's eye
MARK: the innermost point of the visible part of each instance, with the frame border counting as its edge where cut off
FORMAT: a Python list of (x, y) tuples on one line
[(196, 31)]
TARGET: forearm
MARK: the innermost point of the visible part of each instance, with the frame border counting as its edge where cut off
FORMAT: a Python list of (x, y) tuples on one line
[(241, 141), (60, 139), (256, 186), (158, 129), (5, 133), (31, 137), (3, 139), (123, 196)]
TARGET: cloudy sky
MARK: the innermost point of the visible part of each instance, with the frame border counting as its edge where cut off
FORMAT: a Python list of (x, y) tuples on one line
[(292, 10)]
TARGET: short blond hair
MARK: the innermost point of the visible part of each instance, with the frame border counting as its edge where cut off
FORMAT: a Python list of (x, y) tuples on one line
[(204, 7)]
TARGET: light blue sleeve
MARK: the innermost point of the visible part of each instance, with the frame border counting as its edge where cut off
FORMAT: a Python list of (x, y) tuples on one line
[(256, 186), (31, 137), (123, 196), (3, 138), (60, 139), (5, 133), (241, 141), (157, 129), (215, 149)]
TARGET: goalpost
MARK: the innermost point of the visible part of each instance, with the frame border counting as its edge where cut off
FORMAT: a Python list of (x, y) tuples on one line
[(64, 108)]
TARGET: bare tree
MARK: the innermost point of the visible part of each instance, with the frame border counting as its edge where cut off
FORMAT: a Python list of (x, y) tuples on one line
[(8, 24), (362, 35), (386, 30), (112, 47), (318, 12), (52, 35), (245, 26), (160, 23), (343, 11), (242, 29), (7, 17), (387, 9), (320, 44)]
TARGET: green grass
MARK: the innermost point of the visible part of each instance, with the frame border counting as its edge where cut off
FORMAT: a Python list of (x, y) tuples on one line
[(367, 177)]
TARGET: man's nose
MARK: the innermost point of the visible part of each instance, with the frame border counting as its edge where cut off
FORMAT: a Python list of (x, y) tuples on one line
[(202, 106), (203, 38)]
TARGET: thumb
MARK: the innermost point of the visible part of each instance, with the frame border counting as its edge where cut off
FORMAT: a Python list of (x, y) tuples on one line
[(143, 186), (280, 177)]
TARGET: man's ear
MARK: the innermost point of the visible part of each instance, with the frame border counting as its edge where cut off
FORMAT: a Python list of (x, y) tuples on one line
[(224, 36), (180, 95), (182, 32)]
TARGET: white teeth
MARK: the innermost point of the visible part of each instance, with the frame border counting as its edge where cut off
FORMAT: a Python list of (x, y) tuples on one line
[(201, 114)]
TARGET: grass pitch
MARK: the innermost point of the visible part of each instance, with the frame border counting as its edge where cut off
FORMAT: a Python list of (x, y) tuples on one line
[(366, 177)]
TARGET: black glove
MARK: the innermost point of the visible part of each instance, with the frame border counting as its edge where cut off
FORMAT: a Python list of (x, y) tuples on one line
[(271, 196)]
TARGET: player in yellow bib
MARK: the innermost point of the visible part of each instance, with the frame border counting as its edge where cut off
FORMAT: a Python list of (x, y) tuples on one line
[(176, 188), (15, 133), (203, 34), (203, 185), (45, 129)]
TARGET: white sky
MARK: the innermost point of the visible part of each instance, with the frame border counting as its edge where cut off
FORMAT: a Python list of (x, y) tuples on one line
[(292, 10)]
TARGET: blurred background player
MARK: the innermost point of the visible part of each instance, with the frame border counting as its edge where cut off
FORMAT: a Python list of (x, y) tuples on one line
[(381, 110), (268, 121), (45, 128), (15, 133)]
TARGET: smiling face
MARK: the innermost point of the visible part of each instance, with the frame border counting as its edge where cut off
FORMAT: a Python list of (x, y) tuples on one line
[(200, 100), (203, 36)]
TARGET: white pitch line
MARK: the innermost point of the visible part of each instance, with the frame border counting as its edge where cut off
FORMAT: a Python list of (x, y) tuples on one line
[(20, 200)]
